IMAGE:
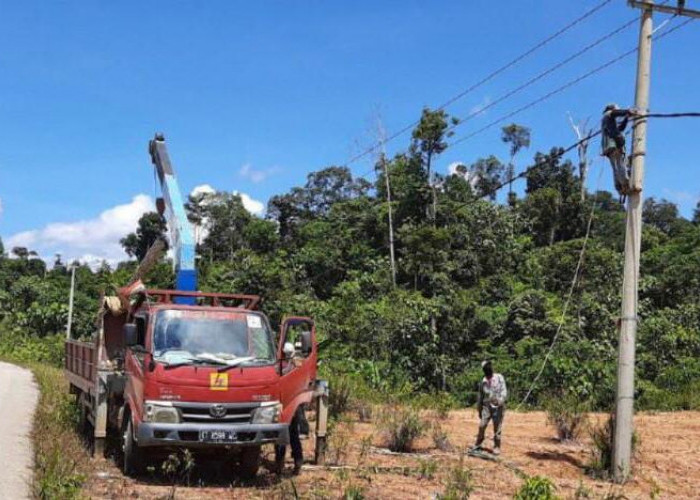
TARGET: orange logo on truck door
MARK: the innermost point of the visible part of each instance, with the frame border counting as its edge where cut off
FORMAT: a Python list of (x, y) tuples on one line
[(218, 381)]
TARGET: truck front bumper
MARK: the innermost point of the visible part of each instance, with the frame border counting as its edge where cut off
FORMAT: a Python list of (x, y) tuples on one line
[(188, 434)]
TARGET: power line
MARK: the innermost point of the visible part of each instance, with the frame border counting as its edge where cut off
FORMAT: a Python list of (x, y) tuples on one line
[(562, 88), (484, 80), (548, 71)]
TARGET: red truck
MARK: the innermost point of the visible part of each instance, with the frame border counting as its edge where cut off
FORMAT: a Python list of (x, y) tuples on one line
[(170, 369)]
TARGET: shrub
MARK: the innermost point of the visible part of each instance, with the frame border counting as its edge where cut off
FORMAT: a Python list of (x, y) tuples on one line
[(339, 437), (602, 435), (339, 396), (568, 414), (536, 488), (427, 469), (440, 439), (459, 485), (402, 426)]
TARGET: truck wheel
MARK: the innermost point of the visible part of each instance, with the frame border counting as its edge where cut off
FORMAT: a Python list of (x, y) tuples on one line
[(132, 459), (249, 462)]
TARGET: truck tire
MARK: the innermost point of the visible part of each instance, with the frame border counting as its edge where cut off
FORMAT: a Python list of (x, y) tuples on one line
[(132, 455), (249, 462)]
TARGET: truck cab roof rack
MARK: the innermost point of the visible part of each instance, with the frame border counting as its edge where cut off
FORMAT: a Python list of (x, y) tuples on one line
[(234, 300)]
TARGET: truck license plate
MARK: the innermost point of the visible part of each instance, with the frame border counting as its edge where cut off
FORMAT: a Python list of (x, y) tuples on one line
[(217, 436)]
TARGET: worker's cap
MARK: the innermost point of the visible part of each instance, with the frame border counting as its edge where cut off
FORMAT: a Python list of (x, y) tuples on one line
[(610, 106)]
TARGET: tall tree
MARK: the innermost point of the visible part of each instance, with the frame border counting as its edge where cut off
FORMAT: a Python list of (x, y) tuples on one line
[(486, 174), (517, 137), (151, 226), (428, 141)]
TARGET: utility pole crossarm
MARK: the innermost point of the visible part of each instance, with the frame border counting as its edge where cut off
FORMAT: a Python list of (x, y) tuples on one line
[(666, 9)]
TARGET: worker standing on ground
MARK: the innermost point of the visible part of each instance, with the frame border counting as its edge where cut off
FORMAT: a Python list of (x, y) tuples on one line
[(491, 405), (613, 144)]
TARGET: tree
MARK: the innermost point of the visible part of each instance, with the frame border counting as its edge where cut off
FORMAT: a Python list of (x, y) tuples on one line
[(662, 214), (518, 137), (428, 141), (151, 226), (20, 252), (486, 174), (696, 214), (225, 219)]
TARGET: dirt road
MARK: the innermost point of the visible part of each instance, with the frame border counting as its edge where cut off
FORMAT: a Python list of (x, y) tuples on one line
[(18, 397)]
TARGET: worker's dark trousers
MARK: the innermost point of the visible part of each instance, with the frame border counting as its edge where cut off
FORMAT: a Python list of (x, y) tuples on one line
[(489, 413), (618, 163), (294, 441)]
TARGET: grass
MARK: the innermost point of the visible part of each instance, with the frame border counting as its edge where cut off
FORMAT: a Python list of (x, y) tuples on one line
[(536, 488), (568, 414), (61, 460), (401, 427)]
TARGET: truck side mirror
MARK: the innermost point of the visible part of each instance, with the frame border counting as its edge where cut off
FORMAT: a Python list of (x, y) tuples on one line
[(306, 346), (131, 336)]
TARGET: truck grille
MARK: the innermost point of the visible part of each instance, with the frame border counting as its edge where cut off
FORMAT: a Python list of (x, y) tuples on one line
[(232, 413)]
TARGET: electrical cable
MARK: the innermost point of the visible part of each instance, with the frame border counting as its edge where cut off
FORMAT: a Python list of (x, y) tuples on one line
[(564, 87), (574, 281), (483, 81)]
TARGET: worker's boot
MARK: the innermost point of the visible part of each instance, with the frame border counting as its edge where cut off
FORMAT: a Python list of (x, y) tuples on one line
[(298, 462)]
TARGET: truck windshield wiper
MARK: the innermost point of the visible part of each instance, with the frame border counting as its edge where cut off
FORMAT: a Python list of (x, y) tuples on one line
[(190, 361), (236, 362)]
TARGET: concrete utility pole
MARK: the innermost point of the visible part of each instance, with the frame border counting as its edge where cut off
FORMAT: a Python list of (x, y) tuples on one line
[(624, 408), (70, 302)]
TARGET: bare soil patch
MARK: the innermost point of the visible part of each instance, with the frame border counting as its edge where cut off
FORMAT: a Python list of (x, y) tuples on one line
[(667, 464)]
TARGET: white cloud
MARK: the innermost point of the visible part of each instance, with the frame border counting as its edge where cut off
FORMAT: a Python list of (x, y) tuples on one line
[(90, 240), (480, 108), (468, 175), (202, 189), (256, 175), (255, 207)]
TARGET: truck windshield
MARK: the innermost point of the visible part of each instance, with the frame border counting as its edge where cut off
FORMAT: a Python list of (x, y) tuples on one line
[(213, 337)]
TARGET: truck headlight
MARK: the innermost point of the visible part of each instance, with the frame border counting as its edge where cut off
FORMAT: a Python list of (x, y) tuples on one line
[(268, 414), (160, 413)]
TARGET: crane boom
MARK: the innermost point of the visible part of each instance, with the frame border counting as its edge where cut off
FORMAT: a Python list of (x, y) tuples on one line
[(172, 206)]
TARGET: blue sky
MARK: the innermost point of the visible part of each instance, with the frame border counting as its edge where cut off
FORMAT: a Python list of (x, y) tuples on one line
[(252, 96)]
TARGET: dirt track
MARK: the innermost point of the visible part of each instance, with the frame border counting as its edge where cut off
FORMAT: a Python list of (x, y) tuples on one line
[(18, 397), (668, 464)]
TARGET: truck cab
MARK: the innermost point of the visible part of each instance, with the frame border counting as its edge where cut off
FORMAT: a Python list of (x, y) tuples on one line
[(207, 374)]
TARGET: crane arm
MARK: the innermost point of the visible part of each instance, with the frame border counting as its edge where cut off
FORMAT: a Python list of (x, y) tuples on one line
[(172, 206)]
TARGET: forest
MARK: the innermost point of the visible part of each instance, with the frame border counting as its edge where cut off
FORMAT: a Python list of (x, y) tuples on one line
[(483, 270)]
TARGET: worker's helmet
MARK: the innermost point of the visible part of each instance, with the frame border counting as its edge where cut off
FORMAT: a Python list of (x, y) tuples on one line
[(610, 107)]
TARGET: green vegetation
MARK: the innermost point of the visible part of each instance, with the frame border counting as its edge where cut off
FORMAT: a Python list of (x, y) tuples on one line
[(401, 427), (60, 457), (568, 414), (459, 484), (536, 488), (478, 276)]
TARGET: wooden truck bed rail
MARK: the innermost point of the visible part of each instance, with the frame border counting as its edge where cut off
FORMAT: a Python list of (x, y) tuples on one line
[(81, 364)]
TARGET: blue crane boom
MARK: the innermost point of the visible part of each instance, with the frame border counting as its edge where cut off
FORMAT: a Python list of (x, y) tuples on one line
[(172, 207)]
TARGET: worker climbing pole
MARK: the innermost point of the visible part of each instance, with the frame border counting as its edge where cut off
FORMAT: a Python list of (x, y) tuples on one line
[(612, 130)]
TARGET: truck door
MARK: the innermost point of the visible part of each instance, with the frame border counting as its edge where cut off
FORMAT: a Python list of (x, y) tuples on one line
[(298, 363), (134, 364)]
